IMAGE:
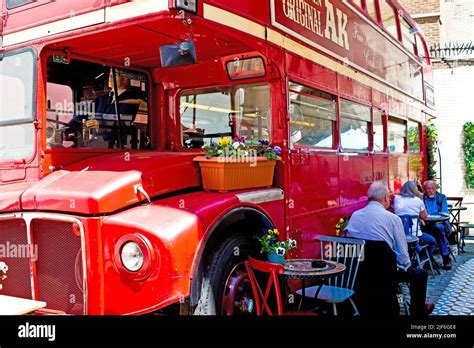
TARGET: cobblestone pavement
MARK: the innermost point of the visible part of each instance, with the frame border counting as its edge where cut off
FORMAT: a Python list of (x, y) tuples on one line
[(453, 290)]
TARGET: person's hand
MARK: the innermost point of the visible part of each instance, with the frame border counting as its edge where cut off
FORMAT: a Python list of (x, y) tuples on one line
[(92, 124)]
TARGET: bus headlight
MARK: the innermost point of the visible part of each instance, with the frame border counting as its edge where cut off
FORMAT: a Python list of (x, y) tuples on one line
[(132, 256)]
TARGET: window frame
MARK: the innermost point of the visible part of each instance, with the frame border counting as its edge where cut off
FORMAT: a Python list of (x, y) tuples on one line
[(153, 119), (418, 124), (8, 7), (33, 87), (395, 35), (394, 119), (232, 84), (369, 126), (384, 131), (335, 136)]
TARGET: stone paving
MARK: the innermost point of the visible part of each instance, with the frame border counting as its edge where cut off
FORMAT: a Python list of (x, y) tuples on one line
[(453, 290), (457, 297)]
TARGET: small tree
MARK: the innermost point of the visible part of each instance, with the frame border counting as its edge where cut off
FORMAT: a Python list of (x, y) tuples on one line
[(431, 148), (469, 153)]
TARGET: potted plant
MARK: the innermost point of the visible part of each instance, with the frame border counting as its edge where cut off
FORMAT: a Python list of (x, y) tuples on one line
[(341, 226), (275, 249), (232, 165)]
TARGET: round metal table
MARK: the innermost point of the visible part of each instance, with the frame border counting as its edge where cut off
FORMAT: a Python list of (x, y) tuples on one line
[(302, 269)]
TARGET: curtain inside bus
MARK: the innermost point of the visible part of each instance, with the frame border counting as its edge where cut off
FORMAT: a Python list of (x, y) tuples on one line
[(17, 105)]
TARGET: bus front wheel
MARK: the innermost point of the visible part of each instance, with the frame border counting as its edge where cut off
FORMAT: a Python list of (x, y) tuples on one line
[(226, 289)]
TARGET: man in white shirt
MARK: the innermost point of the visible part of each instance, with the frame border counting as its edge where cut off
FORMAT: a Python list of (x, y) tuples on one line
[(375, 222)]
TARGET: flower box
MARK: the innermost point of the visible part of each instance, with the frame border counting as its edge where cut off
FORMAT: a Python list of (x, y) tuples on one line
[(226, 174)]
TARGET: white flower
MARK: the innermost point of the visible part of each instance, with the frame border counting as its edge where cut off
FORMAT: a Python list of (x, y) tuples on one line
[(292, 243), (236, 145), (3, 267), (220, 152), (280, 251)]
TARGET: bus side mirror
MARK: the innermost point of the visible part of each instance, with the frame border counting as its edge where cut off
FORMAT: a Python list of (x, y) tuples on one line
[(178, 54)]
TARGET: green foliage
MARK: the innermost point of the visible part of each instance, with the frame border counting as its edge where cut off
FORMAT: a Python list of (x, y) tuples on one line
[(271, 243), (238, 149), (469, 153), (431, 148), (413, 139)]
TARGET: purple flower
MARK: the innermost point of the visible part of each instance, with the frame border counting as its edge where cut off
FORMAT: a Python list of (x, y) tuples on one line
[(213, 145), (263, 142), (207, 157), (277, 150)]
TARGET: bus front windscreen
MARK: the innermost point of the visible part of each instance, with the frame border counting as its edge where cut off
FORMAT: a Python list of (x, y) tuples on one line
[(17, 105)]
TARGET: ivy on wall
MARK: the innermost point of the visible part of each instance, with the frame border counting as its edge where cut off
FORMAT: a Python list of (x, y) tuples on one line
[(431, 148), (469, 153)]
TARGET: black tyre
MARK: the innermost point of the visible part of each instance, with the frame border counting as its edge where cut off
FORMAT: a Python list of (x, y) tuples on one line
[(226, 289)]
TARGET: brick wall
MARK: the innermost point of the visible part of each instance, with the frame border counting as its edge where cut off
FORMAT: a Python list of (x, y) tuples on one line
[(430, 24), (420, 6)]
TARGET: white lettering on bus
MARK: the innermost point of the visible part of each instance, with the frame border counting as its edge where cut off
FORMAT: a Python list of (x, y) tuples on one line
[(304, 14), (337, 35)]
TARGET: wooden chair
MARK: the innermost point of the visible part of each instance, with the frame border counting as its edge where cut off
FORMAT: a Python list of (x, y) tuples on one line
[(262, 297), (348, 251)]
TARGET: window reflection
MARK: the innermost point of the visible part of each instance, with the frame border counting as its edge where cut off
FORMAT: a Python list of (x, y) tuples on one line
[(313, 116)]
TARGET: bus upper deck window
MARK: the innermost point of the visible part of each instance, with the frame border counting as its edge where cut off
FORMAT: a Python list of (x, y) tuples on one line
[(408, 35), (389, 21), (312, 116), (420, 47), (371, 9)]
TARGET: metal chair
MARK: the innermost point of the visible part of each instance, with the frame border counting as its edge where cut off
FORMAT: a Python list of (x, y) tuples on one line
[(348, 251), (262, 303), (411, 224)]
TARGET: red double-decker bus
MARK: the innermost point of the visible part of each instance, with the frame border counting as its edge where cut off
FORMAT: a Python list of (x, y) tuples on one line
[(112, 203)]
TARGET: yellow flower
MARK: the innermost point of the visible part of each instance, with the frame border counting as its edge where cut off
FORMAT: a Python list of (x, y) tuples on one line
[(270, 231), (341, 220), (275, 231), (224, 141), (269, 237)]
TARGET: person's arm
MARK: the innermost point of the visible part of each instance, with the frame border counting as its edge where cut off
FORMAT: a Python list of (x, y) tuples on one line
[(444, 205), (423, 212), (401, 246)]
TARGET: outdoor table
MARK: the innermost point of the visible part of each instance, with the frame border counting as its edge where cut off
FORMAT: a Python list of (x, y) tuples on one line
[(436, 218), (301, 269), (17, 306)]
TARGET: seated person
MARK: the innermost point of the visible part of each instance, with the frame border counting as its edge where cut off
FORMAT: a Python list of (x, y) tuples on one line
[(376, 223), (104, 121), (409, 203), (437, 204)]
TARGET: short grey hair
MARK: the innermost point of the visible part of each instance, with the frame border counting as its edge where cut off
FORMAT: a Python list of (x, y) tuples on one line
[(378, 191), (409, 189)]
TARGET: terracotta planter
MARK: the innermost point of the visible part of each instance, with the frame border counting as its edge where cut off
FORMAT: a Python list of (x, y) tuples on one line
[(223, 174)]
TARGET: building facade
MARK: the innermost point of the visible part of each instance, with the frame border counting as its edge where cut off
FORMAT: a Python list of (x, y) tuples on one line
[(448, 26)]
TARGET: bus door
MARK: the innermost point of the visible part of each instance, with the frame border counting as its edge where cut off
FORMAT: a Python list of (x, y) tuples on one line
[(17, 114), (355, 159), (314, 186)]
